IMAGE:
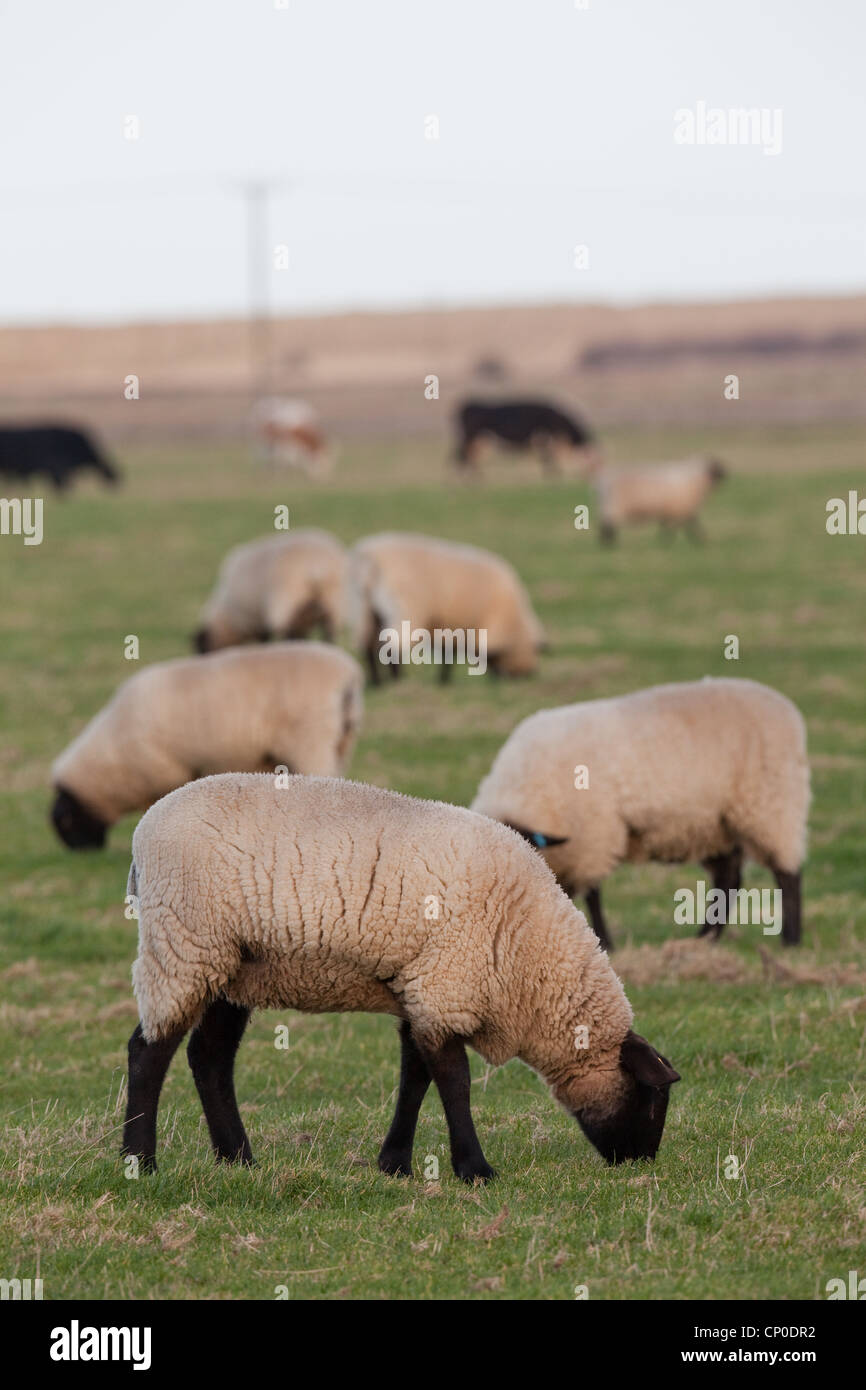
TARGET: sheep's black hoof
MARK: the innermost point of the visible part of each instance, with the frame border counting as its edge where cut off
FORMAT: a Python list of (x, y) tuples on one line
[(396, 1165), (473, 1170), (244, 1160)]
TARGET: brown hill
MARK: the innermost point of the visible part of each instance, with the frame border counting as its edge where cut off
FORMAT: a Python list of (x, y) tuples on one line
[(796, 360)]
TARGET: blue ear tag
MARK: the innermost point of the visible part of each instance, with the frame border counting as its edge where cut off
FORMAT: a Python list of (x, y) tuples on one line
[(540, 841)]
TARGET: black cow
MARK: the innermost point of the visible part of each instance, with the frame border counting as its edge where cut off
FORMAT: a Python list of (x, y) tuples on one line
[(55, 451), (518, 425)]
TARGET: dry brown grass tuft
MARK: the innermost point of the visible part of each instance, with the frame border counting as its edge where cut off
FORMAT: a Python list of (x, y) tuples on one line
[(696, 959), (691, 959)]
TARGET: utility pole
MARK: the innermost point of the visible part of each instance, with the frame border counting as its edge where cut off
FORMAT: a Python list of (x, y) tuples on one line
[(257, 200), (260, 335)]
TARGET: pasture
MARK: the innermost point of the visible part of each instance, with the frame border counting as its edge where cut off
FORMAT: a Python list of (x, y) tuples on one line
[(771, 1044)]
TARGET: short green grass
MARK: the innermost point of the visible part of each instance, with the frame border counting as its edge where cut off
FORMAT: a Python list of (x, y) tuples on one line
[(770, 1044)]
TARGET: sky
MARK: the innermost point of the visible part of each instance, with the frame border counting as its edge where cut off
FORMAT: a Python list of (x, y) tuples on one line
[(560, 125)]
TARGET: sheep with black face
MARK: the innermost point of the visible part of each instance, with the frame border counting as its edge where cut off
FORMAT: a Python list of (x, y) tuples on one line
[(317, 896), (669, 493), (292, 704), (285, 586), (712, 770), (399, 579)]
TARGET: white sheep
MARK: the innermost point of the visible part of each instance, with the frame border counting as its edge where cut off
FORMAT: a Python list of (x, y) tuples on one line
[(280, 587), (669, 493), (295, 705), (405, 582), (331, 896), (709, 770)]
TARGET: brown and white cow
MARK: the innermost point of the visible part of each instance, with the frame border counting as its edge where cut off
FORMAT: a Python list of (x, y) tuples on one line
[(289, 434)]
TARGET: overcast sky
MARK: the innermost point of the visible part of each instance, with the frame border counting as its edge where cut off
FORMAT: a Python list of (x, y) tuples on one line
[(556, 129)]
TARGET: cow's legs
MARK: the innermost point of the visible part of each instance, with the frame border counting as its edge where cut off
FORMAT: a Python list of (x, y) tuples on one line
[(546, 447)]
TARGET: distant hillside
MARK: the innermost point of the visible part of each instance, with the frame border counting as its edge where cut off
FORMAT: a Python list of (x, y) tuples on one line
[(796, 359)]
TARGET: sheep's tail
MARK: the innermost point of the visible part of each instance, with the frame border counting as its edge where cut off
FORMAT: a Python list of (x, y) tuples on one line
[(358, 596), (369, 600), (174, 977), (351, 711), (353, 706)]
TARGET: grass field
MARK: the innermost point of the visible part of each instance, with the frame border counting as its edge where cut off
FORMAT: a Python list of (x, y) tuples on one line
[(770, 1044)]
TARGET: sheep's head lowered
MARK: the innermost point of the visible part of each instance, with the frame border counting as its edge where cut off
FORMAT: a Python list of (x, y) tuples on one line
[(77, 827), (631, 1126)]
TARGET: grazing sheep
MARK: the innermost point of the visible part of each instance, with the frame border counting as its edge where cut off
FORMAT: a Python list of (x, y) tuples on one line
[(669, 493), (330, 896), (282, 586), (397, 578), (708, 770), (295, 704)]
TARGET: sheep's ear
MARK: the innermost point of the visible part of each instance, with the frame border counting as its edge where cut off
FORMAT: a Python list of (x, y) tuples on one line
[(641, 1060), (536, 838)]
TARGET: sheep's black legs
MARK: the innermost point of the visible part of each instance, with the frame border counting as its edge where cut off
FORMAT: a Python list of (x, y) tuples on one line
[(395, 1156), (607, 533), (211, 1055), (148, 1064), (449, 1067), (791, 909), (695, 530), (373, 664), (596, 917), (726, 871), (374, 644)]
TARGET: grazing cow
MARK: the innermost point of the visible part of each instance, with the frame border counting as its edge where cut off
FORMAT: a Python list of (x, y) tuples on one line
[(519, 425), (289, 433), (53, 450)]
